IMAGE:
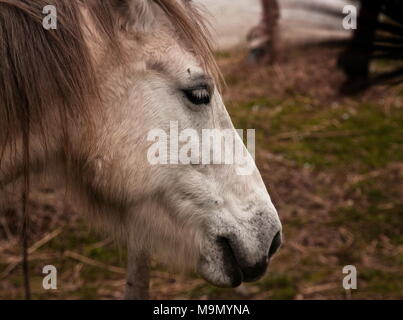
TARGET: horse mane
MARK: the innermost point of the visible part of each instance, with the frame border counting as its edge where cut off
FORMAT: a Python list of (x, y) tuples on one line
[(52, 71)]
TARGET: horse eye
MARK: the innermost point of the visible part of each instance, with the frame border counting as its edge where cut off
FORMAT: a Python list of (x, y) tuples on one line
[(199, 95)]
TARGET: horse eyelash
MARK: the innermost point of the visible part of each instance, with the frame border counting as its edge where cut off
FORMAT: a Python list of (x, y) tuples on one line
[(198, 96)]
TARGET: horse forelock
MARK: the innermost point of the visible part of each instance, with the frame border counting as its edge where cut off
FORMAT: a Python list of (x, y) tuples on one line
[(45, 71)]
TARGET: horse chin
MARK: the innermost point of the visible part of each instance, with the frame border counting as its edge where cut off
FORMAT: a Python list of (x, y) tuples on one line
[(224, 275), (220, 268)]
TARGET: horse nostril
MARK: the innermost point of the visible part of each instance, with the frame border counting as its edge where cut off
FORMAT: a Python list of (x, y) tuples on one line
[(275, 244)]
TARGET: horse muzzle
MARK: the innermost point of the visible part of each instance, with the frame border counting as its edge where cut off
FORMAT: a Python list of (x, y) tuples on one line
[(228, 262)]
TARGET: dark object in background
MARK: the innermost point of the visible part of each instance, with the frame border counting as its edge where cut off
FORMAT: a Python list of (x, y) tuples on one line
[(263, 39), (379, 36), (375, 38)]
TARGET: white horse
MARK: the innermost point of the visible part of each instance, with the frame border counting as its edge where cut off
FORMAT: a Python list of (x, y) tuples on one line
[(79, 101)]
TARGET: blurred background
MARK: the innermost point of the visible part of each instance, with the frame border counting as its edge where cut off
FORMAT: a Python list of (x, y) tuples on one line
[(327, 106)]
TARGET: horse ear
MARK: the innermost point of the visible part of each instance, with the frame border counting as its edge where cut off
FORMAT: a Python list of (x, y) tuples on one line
[(135, 15)]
